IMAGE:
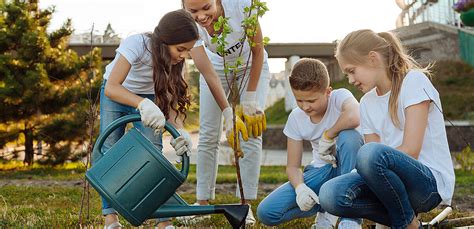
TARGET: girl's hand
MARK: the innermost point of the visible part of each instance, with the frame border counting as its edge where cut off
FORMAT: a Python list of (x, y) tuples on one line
[(253, 116), (183, 143), (151, 115), (229, 128)]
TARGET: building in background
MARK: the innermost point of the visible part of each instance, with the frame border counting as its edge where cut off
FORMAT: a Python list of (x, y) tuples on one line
[(433, 31), (108, 37), (418, 11)]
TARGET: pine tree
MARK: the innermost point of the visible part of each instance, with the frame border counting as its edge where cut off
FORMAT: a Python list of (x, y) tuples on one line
[(44, 86)]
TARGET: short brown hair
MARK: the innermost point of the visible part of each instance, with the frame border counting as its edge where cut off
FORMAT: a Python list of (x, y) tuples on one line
[(309, 74)]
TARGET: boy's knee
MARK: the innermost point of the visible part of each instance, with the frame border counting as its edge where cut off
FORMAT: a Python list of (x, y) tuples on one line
[(265, 215), (350, 138), (349, 133)]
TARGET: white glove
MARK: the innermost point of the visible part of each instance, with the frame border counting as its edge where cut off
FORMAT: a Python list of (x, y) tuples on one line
[(249, 103), (183, 143), (151, 115), (228, 117), (305, 197), (327, 150)]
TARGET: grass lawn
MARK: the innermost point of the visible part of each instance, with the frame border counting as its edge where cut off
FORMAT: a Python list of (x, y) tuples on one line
[(51, 197)]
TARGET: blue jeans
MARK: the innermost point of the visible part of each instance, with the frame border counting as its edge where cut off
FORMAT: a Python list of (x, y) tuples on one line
[(109, 112), (389, 187), (280, 205)]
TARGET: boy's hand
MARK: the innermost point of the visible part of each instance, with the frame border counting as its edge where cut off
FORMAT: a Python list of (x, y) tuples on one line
[(305, 197), (327, 150)]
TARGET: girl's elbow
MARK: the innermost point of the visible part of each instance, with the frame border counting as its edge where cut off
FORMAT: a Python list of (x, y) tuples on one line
[(108, 90), (415, 153)]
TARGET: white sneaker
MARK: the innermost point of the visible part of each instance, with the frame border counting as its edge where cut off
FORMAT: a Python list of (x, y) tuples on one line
[(113, 225), (192, 219), (349, 224), (324, 220), (250, 219), (381, 226)]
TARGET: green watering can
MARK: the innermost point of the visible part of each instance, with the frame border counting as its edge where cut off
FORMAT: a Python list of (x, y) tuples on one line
[(140, 183)]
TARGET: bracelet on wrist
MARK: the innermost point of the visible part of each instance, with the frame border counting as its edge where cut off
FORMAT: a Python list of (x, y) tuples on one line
[(325, 135)]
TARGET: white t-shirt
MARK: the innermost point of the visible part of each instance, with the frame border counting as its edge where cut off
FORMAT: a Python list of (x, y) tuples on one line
[(140, 77), (300, 127), (435, 154), (234, 10)]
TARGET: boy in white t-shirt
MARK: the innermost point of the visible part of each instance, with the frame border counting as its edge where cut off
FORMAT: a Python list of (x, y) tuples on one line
[(327, 118)]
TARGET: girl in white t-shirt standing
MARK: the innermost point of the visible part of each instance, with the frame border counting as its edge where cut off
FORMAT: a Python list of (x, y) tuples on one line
[(209, 62), (405, 167), (146, 77)]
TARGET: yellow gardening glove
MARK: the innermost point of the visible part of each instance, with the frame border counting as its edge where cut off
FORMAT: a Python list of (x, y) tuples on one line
[(256, 123), (261, 122), (239, 128), (252, 115), (248, 120), (251, 122)]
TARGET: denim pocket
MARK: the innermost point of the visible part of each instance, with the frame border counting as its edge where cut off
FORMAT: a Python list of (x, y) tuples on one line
[(429, 203)]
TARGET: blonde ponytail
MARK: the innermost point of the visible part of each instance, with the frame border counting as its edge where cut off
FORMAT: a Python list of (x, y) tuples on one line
[(357, 45)]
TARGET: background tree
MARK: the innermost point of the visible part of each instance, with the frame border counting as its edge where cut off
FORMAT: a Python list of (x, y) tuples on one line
[(44, 87)]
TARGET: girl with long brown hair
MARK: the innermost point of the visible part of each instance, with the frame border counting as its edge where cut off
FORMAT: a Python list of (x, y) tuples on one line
[(146, 78)]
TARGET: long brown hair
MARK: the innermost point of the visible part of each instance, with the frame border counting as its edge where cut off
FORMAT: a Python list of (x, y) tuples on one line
[(171, 90), (355, 48)]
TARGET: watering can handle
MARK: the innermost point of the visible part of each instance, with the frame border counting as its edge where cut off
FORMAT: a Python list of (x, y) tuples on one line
[(133, 118)]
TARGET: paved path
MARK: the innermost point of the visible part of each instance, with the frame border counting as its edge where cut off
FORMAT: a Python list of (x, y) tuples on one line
[(269, 157)]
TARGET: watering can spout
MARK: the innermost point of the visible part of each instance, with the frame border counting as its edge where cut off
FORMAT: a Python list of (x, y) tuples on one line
[(235, 214)]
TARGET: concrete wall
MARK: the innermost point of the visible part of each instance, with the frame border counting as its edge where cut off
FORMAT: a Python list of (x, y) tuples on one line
[(429, 42)]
